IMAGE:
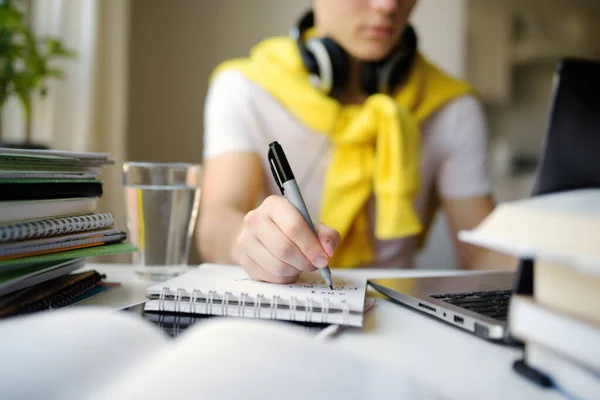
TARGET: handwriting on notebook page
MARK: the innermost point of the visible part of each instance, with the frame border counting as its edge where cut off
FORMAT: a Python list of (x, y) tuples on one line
[(341, 287), (311, 283)]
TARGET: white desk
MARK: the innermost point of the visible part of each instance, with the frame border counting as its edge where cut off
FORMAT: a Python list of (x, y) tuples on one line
[(456, 363)]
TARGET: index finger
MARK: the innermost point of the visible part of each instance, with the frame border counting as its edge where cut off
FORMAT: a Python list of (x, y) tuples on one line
[(292, 224)]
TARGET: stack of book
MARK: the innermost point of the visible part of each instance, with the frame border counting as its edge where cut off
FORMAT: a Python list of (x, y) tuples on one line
[(560, 323), (49, 226)]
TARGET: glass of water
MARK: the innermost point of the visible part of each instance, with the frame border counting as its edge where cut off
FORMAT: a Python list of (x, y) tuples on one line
[(162, 201)]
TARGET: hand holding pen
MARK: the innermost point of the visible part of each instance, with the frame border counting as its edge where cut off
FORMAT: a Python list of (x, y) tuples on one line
[(283, 175), (277, 242)]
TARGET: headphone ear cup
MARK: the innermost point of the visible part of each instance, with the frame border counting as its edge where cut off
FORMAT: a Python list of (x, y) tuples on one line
[(309, 61), (370, 74), (322, 74), (398, 69), (339, 63), (384, 76)]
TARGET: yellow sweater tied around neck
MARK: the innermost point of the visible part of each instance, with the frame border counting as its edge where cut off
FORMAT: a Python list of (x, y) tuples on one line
[(376, 146)]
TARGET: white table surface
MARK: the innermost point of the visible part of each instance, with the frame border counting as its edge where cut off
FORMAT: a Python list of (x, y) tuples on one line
[(458, 364)]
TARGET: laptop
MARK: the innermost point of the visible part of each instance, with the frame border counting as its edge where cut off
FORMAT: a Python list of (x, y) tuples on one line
[(478, 303)]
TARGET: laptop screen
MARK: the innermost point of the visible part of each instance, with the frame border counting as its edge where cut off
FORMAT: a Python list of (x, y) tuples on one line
[(569, 153)]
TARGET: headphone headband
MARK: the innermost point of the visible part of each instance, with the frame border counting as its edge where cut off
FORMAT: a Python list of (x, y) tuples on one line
[(307, 21), (327, 61)]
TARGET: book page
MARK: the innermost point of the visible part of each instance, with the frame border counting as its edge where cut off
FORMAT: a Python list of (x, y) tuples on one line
[(573, 203), (561, 227), (233, 279), (71, 353), (248, 359)]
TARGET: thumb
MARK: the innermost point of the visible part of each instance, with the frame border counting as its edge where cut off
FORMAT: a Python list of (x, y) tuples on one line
[(329, 238)]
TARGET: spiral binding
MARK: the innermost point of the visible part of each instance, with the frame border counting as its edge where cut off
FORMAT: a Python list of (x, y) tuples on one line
[(212, 303), (193, 301), (325, 309), (242, 307), (56, 293), (54, 226)]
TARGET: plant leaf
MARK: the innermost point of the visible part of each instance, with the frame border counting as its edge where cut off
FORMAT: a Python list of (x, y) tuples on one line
[(25, 59), (56, 73)]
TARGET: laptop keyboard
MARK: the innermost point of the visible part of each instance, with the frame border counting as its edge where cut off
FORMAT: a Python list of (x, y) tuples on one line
[(493, 304)]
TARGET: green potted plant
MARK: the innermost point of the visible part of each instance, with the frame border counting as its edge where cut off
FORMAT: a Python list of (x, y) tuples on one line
[(25, 62)]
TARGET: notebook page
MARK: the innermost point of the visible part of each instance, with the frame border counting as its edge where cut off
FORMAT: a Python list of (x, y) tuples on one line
[(228, 278)]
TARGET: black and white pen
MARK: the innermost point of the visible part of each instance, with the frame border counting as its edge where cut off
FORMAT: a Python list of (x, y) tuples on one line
[(284, 177)]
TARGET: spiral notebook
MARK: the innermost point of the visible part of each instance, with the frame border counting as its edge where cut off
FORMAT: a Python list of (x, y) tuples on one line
[(54, 226), (56, 293), (226, 290), (32, 247)]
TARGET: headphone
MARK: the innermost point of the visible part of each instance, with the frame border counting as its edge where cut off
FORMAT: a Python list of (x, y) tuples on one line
[(327, 61)]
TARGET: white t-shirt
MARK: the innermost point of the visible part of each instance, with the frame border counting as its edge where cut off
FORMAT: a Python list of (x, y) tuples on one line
[(241, 116)]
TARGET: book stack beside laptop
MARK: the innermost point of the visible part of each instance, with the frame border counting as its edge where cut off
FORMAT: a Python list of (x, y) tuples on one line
[(49, 226), (560, 322)]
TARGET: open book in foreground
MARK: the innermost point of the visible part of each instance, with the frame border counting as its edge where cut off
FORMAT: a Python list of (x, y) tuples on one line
[(90, 353), (226, 290)]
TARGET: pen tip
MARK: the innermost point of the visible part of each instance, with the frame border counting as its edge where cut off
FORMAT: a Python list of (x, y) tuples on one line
[(331, 287)]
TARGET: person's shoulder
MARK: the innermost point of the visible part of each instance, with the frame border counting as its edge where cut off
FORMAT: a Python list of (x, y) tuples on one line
[(233, 83), (461, 109), (234, 88), (465, 106), (462, 118)]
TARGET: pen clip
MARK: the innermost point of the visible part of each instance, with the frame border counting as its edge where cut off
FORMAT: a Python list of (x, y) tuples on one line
[(274, 171)]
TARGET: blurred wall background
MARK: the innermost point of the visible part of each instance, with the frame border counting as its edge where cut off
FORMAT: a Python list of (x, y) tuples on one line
[(138, 87)]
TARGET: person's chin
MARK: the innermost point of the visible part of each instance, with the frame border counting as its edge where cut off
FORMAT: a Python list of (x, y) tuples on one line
[(372, 53)]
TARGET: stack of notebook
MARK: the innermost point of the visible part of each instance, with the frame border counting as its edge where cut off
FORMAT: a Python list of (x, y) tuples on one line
[(49, 226)]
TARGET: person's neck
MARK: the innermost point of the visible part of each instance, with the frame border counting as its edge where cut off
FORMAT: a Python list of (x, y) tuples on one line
[(354, 93)]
